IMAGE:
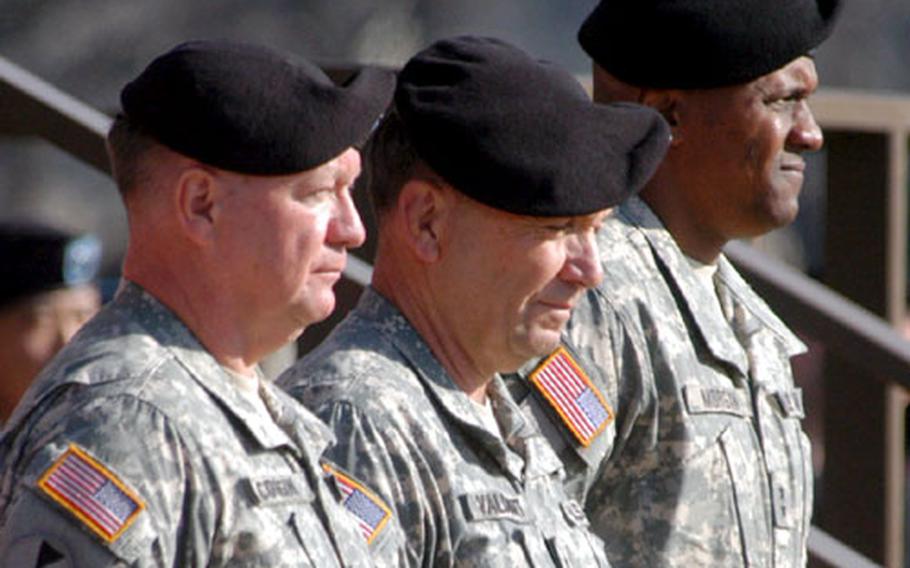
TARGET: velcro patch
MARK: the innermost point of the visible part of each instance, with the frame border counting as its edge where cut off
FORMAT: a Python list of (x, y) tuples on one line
[(371, 512), (791, 402), (782, 501), (710, 400), (574, 514), (279, 490), (92, 493), (492, 506), (570, 392)]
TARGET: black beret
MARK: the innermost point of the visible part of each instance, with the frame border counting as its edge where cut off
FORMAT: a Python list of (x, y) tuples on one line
[(520, 134), (37, 258), (693, 44), (253, 110)]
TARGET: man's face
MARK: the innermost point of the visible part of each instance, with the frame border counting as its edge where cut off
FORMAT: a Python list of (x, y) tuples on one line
[(740, 148), (284, 241), (511, 281), (32, 330)]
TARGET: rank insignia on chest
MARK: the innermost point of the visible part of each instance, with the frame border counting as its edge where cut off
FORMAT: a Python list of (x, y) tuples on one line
[(91, 492), (371, 512), (567, 388)]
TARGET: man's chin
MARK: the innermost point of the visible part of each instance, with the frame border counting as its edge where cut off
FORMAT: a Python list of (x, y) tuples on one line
[(544, 343), (311, 313)]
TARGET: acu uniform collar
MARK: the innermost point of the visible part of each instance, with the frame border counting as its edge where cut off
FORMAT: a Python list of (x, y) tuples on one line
[(170, 332), (716, 332), (757, 307), (455, 404), (701, 307)]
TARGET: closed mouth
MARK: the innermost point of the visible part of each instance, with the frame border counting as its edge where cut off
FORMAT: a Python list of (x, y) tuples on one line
[(558, 305), (794, 166)]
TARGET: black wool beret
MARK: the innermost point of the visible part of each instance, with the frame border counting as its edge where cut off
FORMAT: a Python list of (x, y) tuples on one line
[(250, 109), (37, 258), (693, 44), (520, 134)]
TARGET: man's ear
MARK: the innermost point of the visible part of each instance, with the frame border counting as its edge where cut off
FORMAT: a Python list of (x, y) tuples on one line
[(422, 209), (195, 202), (667, 103)]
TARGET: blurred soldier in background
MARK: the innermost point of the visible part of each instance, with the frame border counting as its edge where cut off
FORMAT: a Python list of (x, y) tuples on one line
[(47, 292), (709, 465), (489, 180), (151, 439)]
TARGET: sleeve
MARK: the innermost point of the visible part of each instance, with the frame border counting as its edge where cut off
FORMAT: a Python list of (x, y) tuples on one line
[(615, 344), (104, 483), (381, 456)]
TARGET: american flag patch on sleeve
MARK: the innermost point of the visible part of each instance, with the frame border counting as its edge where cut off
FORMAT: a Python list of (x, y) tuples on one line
[(372, 514), (573, 396), (88, 490)]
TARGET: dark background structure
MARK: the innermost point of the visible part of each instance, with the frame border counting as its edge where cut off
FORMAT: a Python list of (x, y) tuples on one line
[(89, 48)]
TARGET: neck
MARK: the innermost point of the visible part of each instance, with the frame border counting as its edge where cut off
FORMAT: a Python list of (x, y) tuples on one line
[(201, 305), (683, 220), (408, 291)]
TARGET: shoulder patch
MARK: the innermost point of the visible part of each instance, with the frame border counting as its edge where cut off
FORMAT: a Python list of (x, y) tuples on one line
[(573, 396), (87, 489), (371, 512)]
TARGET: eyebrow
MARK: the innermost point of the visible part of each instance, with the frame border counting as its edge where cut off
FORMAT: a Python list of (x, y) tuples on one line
[(797, 83)]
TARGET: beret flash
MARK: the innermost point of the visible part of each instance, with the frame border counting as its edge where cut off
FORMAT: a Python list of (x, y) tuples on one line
[(520, 134), (692, 44), (250, 109), (37, 258)]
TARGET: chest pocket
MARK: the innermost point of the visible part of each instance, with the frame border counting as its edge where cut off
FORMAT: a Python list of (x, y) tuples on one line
[(494, 531), (789, 468), (779, 484), (779, 414), (720, 467), (785, 447), (500, 533), (282, 502), (573, 544)]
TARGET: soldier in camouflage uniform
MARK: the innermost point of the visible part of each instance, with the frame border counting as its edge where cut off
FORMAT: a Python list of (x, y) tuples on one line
[(706, 462), (152, 440), (488, 178), (47, 292)]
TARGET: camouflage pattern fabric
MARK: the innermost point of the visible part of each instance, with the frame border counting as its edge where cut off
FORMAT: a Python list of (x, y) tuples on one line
[(134, 448), (581, 463), (465, 495), (708, 464)]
